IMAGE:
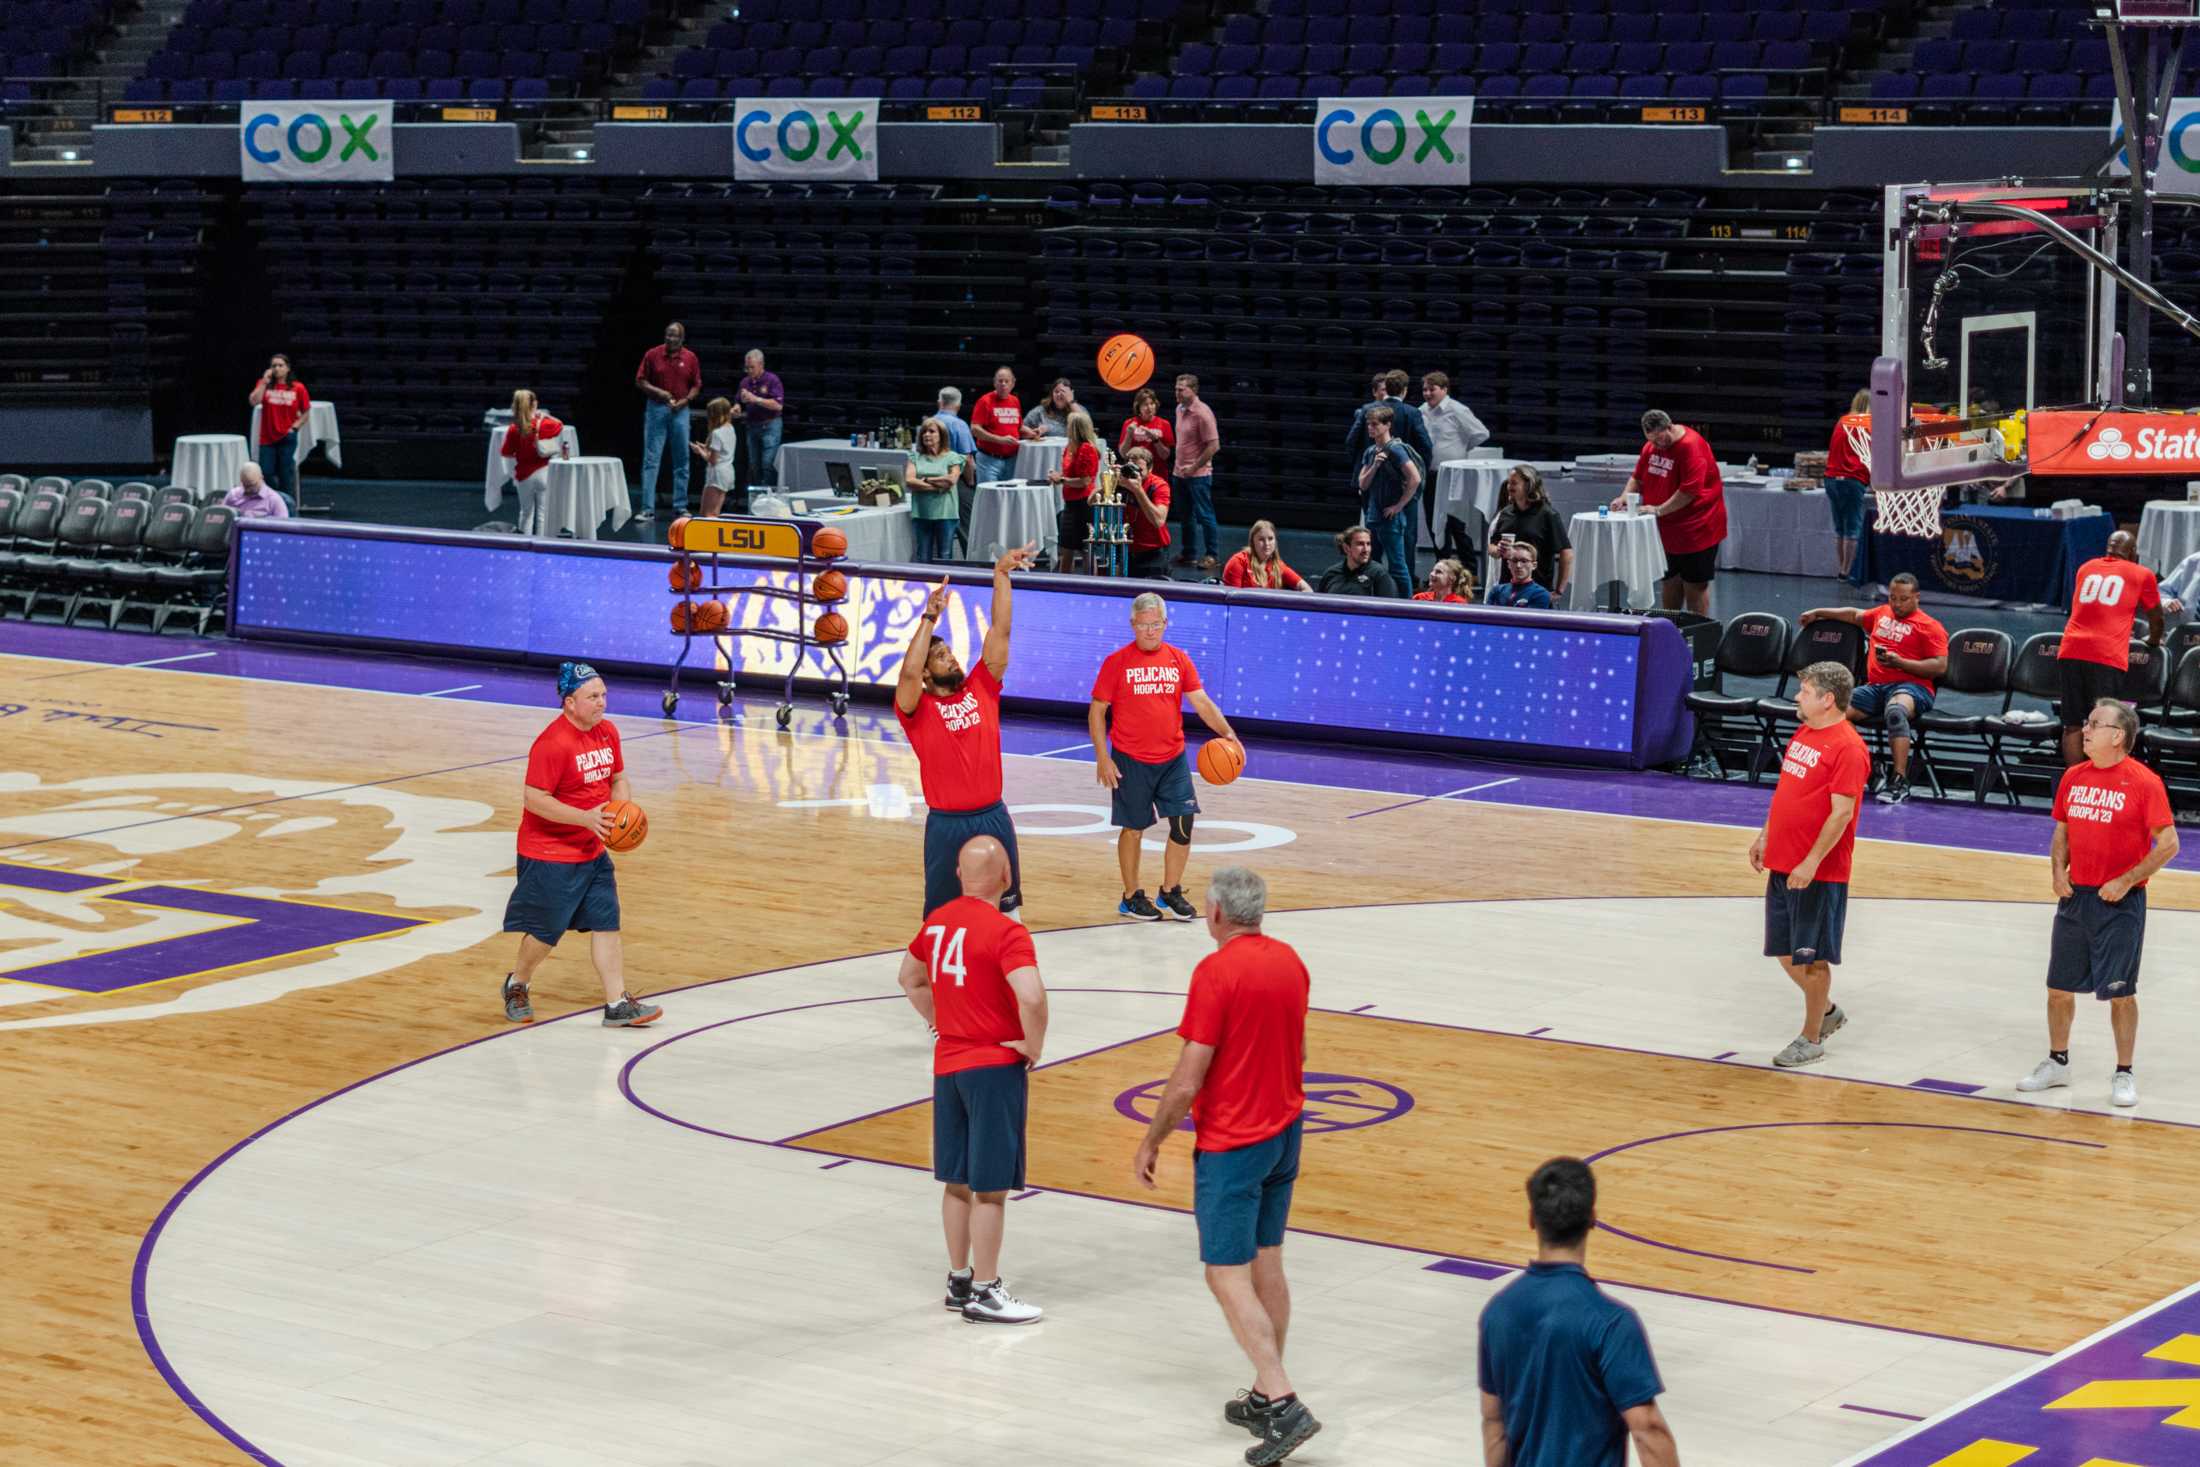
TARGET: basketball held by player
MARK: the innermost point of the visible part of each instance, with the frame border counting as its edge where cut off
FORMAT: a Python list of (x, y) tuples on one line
[(1137, 726), (953, 722), (566, 880), (2114, 829), (2110, 592), (1805, 848), (973, 976)]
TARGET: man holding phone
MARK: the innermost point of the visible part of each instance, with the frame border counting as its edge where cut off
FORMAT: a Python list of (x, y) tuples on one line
[(1909, 650)]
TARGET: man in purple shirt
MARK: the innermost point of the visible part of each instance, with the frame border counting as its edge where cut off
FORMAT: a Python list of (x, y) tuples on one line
[(762, 405), (670, 376), (252, 499)]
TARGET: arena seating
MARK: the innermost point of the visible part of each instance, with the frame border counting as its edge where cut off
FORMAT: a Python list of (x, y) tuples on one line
[(46, 40), (117, 555)]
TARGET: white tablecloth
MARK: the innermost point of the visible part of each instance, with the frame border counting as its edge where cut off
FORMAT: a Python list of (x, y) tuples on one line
[(1468, 489), (1617, 547), (581, 492), (492, 477), (883, 535), (319, 429), (801, 465), (1008, 513), (208, 460), (1039, 458), (2169, 531)]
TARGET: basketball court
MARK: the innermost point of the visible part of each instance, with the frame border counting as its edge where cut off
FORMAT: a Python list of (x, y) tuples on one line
[(294, 1192)]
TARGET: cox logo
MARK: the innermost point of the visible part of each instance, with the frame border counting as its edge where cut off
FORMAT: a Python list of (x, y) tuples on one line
[(1383, 137), (2177, 147), (798, 135), (309, 138), (2109, 445)]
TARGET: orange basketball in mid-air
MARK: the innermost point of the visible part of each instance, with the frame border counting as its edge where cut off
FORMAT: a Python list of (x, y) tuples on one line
[(832, 627), (829, 544), (1221, 760), (711, 616), (672, 531), (629, 826), (830, 586), (685, 575), (1126, 362)]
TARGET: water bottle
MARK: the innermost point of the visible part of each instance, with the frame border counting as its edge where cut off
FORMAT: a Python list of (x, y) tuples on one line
[(1604, 510)]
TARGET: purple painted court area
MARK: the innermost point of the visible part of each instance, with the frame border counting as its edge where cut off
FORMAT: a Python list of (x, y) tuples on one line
[(1383, 775), (1467, 1269), (2103, 1400)]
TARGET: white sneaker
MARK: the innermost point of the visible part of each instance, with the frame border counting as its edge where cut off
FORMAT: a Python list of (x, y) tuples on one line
[(2124, 1089), (1799, 1051), (992, 1304), (2046, 1075)]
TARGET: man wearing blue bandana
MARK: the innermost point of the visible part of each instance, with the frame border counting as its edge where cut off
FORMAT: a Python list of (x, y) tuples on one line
[(566, 881)]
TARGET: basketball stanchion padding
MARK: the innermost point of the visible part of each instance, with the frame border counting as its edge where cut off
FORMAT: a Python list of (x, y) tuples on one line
[(829, 544), (1221, 760), (829, 587), (831, 629), (629, 826)]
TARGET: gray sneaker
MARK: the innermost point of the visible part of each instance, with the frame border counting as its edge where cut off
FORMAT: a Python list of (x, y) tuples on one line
[(629, 1014), (1800, 1051), (1282, 1432), (517, 1006), (1831, 1024)]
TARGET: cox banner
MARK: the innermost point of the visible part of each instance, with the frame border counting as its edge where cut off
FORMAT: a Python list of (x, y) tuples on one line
[(316, 142), (2177, 171), (1392, 140), (804, 137)]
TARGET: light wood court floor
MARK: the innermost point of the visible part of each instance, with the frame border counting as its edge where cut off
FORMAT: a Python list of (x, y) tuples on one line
[(359, 846)]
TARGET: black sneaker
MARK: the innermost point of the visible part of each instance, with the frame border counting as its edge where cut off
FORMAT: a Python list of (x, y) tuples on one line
[(1242, 1410), (1896, 791), (1137, 908), (629, 1014), (1282, 1432), (517, 1006), (1173, 903), (958, 1291)]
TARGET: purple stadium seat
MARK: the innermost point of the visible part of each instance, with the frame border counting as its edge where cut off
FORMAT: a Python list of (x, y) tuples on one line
[(1694, 86), (144, 89), (1976, 25), (2040, 58), (1324, 57), (1725, 27), (946, 60), (1452, 84), (1687, 56), (821, 61), (1635, 29), (1634, 58), (1785, 56), (302, 64), (1542, 56), (258, 64), (1982, 56), (1777, 25), (1648, 88), (1894, 86), (1828, 29), (362, 89), (2089, 56), (485, 89), (1191, 88), (1540, 29), (1944, 86), (1363, 59), (1196, 59), (451, 89), (1587, 26), (655, 89), (794, 86), (424, 63), (695, 63), (1595, 88), (1237, 59), (1321, 84), (1235, 88), (1278, 88), (319, 89), (2001, 86), (189, 93), (475, 63), (949, 88), (1736, 55), (1936, 54), (1590, 57), (1498, 87), (1743, 89), (230, 93), (694, 89), (982, 57), (1543, 86), (911, 88)]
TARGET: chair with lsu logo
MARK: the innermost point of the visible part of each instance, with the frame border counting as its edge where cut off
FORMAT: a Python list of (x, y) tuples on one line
[(2034, 674), (2172, 740), (1979, 660), (1754, 645), (1826, 640)]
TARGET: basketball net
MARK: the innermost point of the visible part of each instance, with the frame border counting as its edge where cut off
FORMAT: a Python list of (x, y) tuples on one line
[(1859, 435), (1910, 512)]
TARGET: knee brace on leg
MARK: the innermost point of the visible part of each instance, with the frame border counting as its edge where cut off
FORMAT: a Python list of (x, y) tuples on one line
[(1898, 718), (1180, 830)]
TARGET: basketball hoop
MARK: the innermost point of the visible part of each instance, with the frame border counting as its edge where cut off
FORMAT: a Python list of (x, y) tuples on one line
[(1914, 512)]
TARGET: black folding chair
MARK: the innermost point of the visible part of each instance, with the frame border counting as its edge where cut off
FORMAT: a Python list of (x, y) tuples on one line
[(2035, 674), (1754, 644), (1978, 663), (1826, 640)]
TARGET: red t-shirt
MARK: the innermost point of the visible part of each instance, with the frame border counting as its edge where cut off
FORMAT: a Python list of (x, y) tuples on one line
[(1156, 435), (1248, 1001), (679, 373), (970, 948), (2108, 598), (1690, 466), (576, 767), (1819, 764), (1916, 636), (528, 455), (1145, 692), (1843, 461), (2110, 816), (958, 743), (1081, 462), (1238, 571), (1145, 534), (1001, 414), (283, 406), (1431, 596)]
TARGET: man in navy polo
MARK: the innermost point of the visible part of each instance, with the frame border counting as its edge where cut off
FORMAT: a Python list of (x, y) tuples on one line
[(1566, 1371)]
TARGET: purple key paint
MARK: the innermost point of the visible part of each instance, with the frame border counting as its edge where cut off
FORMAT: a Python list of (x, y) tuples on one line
[(1949, 1087), (1467, 1268)]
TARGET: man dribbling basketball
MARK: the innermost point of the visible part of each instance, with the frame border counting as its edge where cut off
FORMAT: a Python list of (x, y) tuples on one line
[(1139, 755), (953, 721), (974, 977), (566, 881)]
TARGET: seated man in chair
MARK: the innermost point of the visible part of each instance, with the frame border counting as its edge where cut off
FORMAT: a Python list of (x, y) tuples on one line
[(1908, 650)]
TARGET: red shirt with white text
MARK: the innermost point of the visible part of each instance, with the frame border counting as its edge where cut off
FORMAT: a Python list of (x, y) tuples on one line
[(283, 406), (958, 742), (998, 412), (1917, 636), (1145, 534), (2109, 817), (1687, 467), (1819, 764), (575, 767), (970, 948), (2109, 595), (1145, 692)]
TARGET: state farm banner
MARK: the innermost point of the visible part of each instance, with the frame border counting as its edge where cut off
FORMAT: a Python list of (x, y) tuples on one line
[(2113, 443), (316, 142), (1393, 140), (811, 138)]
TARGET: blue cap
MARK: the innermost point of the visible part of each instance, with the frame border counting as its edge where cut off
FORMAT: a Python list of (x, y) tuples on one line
[(571, 675)]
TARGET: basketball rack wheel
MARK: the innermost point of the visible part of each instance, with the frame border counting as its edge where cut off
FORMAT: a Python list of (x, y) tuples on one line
[(803, 639)]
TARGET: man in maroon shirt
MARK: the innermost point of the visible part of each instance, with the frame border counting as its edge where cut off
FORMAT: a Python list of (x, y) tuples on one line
[(1240, 1075), (1677, 475), (670, 376)]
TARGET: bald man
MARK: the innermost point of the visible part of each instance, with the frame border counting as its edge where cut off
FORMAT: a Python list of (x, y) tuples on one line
[(973, 976), (2095, 656)]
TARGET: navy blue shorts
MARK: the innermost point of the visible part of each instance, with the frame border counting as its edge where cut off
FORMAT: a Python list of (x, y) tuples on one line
[(978, 1127), (1242, 1198), (557, 897), (2096, 944), (1872, 698), (1805, 926), (946, 832), (1147, 790)]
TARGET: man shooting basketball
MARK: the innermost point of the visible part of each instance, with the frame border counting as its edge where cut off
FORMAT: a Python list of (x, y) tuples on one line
[(1139, 754), (2095, 654), (953, 721), (974, 977), (566, 880)]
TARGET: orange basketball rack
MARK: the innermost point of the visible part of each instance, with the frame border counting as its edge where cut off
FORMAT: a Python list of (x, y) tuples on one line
[(702, 542)]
